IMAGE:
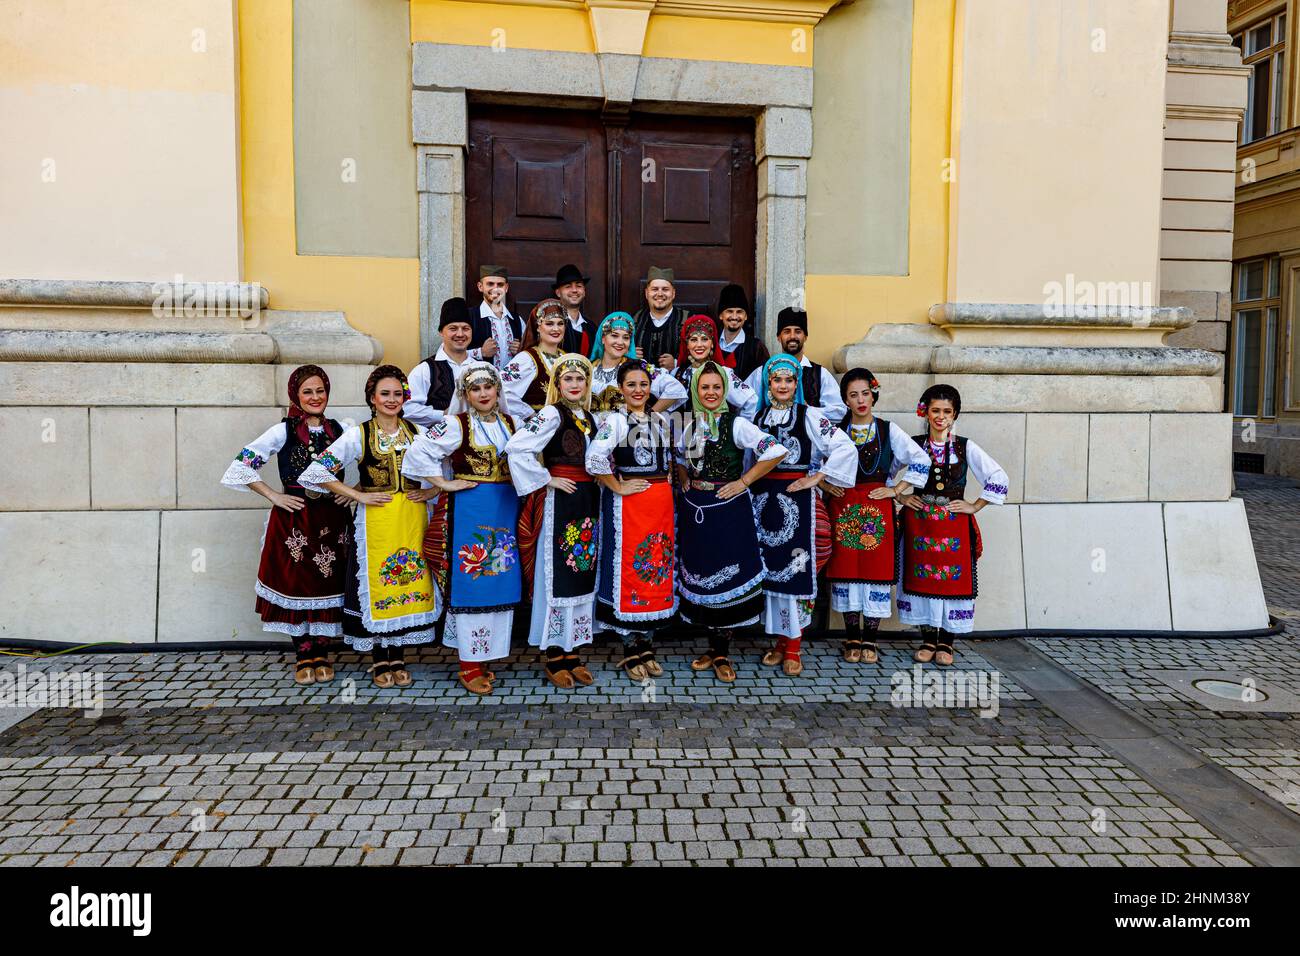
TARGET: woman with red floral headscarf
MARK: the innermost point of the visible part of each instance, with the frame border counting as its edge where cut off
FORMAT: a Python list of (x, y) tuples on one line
[(699, 344), (390, 599), (300, 579)]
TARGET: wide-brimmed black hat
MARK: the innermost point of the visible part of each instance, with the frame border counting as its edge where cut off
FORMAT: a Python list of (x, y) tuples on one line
[(568, 273)]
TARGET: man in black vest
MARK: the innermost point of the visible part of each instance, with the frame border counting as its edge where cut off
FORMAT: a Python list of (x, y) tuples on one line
[(739, 344), (820, 390), (658, 322), (497, 332), (570, 287), (433, 381)]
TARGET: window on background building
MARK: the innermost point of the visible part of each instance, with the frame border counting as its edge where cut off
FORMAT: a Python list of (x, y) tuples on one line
[(1263, 49), (1256, 305)]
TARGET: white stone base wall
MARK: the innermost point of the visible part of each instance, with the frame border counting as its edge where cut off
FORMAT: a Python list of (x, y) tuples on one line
[(116, 527)]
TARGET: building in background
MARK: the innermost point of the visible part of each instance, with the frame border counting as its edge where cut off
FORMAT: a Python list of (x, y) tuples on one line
[(1264, 363), (1030, 199)]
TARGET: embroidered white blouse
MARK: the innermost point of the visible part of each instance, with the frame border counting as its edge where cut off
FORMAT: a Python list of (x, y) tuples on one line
[(663, 384), (346, 450), (613, 432), (525, 447), (833, 452), (986, 471), (429, 453), (516, 377), (243, 471), (907, 453)]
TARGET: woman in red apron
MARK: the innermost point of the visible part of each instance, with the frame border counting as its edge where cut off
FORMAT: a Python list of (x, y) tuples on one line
[(941, 541), (864, 532)]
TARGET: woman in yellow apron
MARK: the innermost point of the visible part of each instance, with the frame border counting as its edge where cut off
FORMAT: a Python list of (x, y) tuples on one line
[(389, 599)]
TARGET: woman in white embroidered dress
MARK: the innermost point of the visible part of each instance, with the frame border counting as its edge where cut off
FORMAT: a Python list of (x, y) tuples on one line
[(548, 462)]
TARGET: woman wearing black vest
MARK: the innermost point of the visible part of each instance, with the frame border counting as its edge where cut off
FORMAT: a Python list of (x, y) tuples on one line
[(548, 460), (300, 579), (632, 458), (792, 524), (941, 540), (528, 375), (864, 529), (389, 600)]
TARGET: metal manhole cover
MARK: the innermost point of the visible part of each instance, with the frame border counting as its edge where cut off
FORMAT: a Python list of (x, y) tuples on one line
[(1243, 693), (1229, 691)]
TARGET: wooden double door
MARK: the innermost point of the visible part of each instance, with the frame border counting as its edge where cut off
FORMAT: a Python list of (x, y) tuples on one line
[(615, 197)]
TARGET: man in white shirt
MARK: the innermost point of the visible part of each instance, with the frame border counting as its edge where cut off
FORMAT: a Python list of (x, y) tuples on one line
[(820, 390), (570, 287), (433, 382), (497, 332)]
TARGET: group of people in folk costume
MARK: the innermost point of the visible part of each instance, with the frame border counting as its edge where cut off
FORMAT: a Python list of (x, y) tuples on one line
[(621, 490)]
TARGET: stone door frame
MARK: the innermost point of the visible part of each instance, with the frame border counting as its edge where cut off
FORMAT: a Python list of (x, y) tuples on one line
[(446, 76)]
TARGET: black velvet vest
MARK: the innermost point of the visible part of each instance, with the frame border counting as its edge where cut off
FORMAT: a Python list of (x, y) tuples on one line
[(296, 454), (951, 475)]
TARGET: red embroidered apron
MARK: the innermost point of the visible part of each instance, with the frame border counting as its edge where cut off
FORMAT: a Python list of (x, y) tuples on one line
[(648, 552), (939, 552), (864, 537)]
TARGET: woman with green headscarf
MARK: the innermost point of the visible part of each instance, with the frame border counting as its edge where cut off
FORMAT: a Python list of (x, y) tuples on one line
[(721, 571), (614, 346)]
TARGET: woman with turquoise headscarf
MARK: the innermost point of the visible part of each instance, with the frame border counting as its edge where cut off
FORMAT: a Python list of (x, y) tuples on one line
[(720, 570), (791, 520), (614, 346)]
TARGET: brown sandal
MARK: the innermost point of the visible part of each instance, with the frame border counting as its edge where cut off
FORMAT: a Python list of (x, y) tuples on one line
[(323, 670), (579, 670), (723, 670), (303, 673), (401, 676), (478, 684), (557, 673), (792, 665), (702, 663), (634, 666), (925, 653), (652, 666), (852, 650), (943, 655), (380, 675), (870, 652)]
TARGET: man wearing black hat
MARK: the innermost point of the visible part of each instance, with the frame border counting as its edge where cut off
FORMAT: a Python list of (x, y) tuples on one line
[(497, 332), (570, 287), (820, 390), (433, 381), (740, 348), (658, 322)]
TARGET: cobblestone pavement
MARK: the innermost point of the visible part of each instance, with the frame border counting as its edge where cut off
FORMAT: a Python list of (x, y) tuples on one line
[(218, 759)]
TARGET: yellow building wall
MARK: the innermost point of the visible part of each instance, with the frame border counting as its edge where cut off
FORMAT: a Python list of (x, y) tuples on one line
[(380, 296), (120, 149), (841, 308)]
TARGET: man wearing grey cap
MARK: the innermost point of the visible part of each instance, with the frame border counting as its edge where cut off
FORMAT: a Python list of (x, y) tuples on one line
[(658, 323), (497, 333)]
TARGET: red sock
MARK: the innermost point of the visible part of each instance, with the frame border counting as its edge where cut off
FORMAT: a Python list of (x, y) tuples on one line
[(791, 646), (470, 669), (781, 643)]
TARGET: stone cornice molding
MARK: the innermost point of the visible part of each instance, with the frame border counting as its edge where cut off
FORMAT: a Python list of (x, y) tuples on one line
[(776, 11)]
